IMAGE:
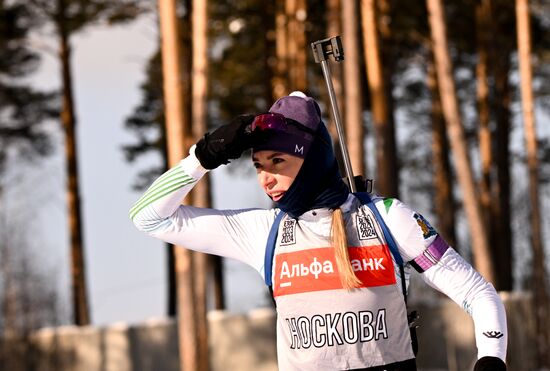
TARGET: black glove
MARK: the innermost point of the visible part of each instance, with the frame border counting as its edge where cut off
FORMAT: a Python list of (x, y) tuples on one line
[(490, 364), (227, 142)]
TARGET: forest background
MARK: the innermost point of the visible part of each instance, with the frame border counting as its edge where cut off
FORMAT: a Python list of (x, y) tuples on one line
[(68, 251)]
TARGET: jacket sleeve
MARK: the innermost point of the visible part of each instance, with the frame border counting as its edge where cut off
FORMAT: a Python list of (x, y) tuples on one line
[(445, 270), (237, 234)]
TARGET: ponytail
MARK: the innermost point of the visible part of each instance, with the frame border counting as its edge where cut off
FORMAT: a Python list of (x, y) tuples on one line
[(340, 243)]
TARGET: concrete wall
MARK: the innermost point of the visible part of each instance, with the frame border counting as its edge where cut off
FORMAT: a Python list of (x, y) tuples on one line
[(247, 342)]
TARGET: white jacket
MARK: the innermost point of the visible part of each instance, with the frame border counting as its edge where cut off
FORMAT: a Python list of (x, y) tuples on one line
[(242, 235)]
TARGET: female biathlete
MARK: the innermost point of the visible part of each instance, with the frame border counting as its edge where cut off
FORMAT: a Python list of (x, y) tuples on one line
[(336, 278)]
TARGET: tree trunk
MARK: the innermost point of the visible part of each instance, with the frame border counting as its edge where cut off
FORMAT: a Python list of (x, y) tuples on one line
[(444, 202), (502, 46), (494, 152), (527, 102), (201, 192), (386, 159), (185, 34), (501, 188), (269, 55), (177, 133), (480, 248), (216, 267), (9, 291), (388, 62), (483, 12), (171, 276), (334, 27), (296, 15), (353, 119), (280, 80), (68, 119), (291, 47)]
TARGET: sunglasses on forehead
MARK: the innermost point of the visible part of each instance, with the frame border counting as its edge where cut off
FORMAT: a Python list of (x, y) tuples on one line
[(278, 122)]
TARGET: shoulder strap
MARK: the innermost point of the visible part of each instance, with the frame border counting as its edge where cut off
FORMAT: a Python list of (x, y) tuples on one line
[(366, 200), (270, 248)]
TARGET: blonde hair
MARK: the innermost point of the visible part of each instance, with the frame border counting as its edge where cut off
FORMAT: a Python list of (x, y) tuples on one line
[(340, 243)]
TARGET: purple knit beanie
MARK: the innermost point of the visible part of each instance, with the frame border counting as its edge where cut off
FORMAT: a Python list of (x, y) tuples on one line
[(296, 140)]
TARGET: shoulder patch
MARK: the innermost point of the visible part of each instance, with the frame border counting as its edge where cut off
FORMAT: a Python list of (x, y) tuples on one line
[(427, 229), (387, 203)]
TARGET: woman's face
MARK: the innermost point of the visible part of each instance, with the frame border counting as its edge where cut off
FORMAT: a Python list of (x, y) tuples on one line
[(276, 171)]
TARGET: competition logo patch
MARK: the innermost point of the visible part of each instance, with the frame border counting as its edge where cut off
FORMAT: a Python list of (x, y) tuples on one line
[(427, 229), (288, 237), (365, 227), (315, 269)]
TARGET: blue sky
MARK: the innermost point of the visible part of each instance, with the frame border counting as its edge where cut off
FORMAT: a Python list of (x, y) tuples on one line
[(125, 268)]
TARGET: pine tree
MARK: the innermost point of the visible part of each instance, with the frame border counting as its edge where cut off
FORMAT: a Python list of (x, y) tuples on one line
[(68, 17), (23, 109)]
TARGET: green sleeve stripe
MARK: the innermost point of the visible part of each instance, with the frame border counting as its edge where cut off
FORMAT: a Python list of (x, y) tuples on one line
[(148, 197), (158, 196), (171, 175), (166, 177), (167, 174), (167, 182)]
